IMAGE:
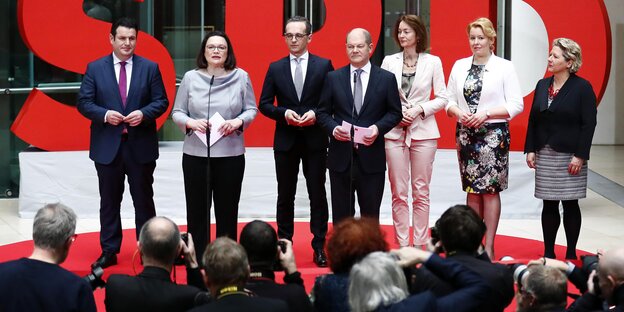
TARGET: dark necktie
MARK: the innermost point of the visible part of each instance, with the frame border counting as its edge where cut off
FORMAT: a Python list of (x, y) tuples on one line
[(357, 90), (122, 82)]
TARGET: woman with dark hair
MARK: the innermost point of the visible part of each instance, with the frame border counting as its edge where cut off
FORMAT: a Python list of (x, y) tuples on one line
[(484, 95), (215, 86), (559, 137), (349, 242), (411, 146)]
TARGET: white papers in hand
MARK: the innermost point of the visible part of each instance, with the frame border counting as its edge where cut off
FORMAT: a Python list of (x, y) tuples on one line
[(215, 123)]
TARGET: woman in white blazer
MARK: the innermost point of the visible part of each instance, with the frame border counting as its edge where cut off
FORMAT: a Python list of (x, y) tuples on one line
[(411, 145), (484, 94)]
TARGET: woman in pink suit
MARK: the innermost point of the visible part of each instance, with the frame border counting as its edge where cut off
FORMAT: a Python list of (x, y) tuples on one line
[(411, 145)]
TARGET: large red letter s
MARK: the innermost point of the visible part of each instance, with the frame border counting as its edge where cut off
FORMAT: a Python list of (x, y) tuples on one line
[(61, 34)]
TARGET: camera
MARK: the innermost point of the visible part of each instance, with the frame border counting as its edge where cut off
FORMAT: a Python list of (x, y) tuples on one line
[(589, 264), (180, 259), (435, 235), (519, 270), (277, 265), (282, 246), (94, 279)]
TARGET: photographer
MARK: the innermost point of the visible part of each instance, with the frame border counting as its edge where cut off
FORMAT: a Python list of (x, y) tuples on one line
[(541, 289), (461, 232), (376, 284), (606, 283), (577, 276), (38, 283), (260, 242), (152, 290)]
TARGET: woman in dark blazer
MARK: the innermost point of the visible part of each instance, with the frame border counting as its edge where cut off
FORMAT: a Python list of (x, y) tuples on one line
[(559, 136)]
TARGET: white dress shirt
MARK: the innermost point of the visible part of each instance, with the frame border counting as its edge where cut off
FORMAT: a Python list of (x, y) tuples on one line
[(303, 59), (363, 76), (117, 67)]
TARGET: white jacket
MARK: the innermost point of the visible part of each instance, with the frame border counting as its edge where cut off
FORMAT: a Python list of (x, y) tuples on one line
[(429, 75), (500, 87)]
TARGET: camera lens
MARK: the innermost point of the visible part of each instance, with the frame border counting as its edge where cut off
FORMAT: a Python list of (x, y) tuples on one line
[(519, 270)]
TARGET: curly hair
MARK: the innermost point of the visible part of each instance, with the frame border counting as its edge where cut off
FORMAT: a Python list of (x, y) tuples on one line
[(571, 52), (351, 240)]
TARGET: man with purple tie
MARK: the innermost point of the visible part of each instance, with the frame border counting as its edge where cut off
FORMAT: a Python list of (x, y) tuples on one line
[(122, 94)]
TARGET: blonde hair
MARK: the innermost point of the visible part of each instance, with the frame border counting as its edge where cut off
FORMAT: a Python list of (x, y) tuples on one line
[(571, 51), (486, 26)]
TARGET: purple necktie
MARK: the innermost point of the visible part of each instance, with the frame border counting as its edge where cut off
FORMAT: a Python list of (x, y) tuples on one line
[(122, 82)]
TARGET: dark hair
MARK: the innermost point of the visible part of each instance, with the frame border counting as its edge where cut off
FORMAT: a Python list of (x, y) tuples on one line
[(298, 18), (414, 22), (159, 242), (260, 242), (351, 240), (460, 229), (230, 61), (124, 22)]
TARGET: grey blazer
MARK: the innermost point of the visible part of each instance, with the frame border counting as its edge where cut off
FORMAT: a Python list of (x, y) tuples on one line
[(231, 95)]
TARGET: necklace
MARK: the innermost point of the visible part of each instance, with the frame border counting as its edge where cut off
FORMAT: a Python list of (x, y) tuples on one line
[(412, 65), (552, 92)]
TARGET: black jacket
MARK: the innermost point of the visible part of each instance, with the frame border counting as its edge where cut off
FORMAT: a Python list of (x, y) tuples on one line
[(151, 290), (263, 284), (498, 276), (568, 124)]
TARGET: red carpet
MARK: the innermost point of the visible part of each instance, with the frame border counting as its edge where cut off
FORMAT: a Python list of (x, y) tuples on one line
[(86, 249)]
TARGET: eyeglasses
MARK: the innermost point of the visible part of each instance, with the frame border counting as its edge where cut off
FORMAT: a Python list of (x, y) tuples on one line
[(220, 48), (298, 37)]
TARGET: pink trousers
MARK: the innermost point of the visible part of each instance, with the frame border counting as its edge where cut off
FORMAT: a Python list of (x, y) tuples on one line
[(410, 163)]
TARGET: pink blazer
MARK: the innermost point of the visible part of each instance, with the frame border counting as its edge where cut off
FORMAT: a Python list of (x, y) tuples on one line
[(429, 75)]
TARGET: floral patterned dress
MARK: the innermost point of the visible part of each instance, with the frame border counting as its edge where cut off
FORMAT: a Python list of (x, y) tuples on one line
[(483, 152)]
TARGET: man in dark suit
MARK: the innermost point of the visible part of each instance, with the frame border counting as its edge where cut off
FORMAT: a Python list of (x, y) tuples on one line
[(225, 271), (260, 242), (296, 82), (152, 290), (461, 232), (366, 96), (122, 94)]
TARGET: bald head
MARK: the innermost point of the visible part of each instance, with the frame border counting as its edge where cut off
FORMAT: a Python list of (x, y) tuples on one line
[(159, 240), (612, 263), (360, 32)]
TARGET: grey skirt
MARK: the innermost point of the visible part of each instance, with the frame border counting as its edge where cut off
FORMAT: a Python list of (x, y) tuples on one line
[(552, 180)]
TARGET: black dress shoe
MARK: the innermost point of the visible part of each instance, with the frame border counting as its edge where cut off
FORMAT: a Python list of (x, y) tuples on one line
[(105, 260), (319, 258)]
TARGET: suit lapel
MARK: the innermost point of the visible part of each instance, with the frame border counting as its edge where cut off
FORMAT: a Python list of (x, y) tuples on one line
[(346, 86), (370, 88), (287, 74), (134, 81), (310, 71), (565, 89), (542, 95), (110, 68), (420, 67)]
